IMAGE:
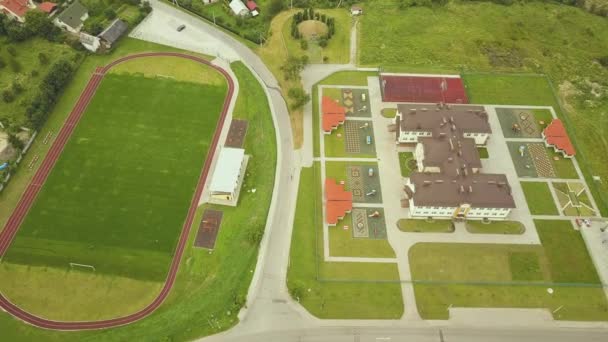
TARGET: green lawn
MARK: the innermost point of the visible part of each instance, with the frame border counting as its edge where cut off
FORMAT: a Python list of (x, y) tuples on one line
[(564, 167), (490, 275), (27, 59), (543, 115), (483, 153), (337, 169), (424, 226), (342, 243), (404, 157), (538, 196), (208, 286), (495, 227), (389, 112), (337, 50), (507, 89), (337, 289)]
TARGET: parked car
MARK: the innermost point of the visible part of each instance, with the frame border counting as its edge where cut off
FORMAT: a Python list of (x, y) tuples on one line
[(180, 28)]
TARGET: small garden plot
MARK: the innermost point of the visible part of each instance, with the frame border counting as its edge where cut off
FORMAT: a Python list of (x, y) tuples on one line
[(539, 198), (495, 227), (573, 199), (363, 179), (356, 102), (425, 226), (483, 152), (334, 93), (523, 123), (407, 163), (389, 112)]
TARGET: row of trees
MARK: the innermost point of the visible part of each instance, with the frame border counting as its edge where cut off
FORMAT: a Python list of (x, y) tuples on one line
[(37, 23), (310, 14), (49, 90)]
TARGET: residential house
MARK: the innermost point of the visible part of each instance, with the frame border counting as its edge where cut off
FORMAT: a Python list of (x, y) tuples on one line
[(16, 9), (238, 8), (72, 18), (113, 32)]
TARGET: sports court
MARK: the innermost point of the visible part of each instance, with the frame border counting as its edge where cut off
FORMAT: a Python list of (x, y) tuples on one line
[(422, 89), (208, 229)]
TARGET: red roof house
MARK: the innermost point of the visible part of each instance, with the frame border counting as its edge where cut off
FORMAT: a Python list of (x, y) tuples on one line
[(338, 201), (251, 5), (47, 7), (15, 8), (333, 114), (555, 135)]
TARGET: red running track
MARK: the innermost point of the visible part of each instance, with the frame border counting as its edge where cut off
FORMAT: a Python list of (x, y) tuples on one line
[(27, 199)]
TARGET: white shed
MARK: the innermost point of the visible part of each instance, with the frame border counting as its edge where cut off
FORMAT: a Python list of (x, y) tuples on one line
[(228, 176), (238, 8)]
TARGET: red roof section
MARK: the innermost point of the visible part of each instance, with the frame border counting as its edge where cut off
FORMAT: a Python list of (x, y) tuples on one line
[(251, 5), (17, 7), (556, 135), (339, 202), (47, 7), (333, 114)]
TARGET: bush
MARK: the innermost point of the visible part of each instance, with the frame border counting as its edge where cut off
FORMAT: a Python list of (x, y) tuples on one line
[(109, 13), (34, 73), (15, 142), (11, 50), (8, 96), (2, 63), (304, 44), (43, 58), (299, 97), (323, 42), (16, 87), (15, 65), (603, 61)]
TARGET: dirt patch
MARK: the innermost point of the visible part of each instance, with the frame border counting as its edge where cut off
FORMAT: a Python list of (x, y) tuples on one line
[(312, 29), (208, 229), (566, 90), (236, 133), (502, 56)]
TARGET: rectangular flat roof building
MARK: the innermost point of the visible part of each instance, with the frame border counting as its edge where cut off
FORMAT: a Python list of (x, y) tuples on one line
[(228, 176)]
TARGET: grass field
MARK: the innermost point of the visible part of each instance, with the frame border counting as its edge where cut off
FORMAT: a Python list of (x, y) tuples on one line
[(539, 198), (495, 227), (208, 286), (483, 153), (27, 60), (562, 42), (424, 226), (404, 157), (337, 289), (130, 196), (477, 275), (342, 243)]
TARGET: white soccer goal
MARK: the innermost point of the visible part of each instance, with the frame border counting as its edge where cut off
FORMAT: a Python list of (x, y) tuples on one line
[(74, 265)]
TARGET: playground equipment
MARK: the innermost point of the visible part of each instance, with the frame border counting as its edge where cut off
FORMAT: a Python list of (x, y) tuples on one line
[(363, 97), (516, 128), (522, 149), (368, 140), (363, 109), (364, 126), (375, 214), (3, 166), (371, 193), (370, 172)]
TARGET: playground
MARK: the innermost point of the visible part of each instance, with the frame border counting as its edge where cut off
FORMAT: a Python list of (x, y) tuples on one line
[(523, 123), (536, 160), (356, 102), (355, 138)]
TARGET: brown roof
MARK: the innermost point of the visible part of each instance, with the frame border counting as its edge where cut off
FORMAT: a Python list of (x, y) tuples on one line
[(451, 153), (428, 117), (477, 190)]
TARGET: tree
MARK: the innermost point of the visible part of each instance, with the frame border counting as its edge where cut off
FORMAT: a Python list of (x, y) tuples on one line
[(274, 8), (299, 97), (304, 44), (292, 67), (110, 13), (8, 96), (43, 58), (15, 141), (2, 63)]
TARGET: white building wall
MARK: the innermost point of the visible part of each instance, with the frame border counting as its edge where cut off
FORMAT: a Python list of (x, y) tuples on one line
[(480, 138), (448, 212)]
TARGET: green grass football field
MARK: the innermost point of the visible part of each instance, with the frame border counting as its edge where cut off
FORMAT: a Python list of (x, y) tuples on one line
[(118, 195)]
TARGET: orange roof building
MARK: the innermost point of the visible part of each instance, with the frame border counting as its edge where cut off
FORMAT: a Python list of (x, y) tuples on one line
[(333, 114), (338, 202), (15, 8), (555, 135), (47, 7)]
